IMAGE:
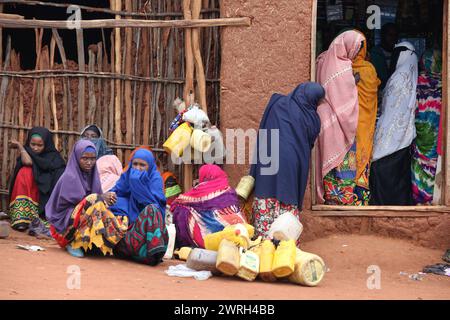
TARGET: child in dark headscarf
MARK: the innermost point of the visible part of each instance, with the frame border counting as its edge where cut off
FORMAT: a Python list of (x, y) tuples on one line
[(37, 170), (95, 135)]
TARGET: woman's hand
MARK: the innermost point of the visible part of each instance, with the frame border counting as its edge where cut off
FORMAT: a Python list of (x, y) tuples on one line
[(15, 144), (110, 198)]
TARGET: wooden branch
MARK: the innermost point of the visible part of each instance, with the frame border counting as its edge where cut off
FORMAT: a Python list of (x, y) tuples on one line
[(189, 86), (52, 88), (199, 69), (127, 85), (67, 95), (117, 5), (39, 74), (112, 23), (81, 82), (91, 87), (104, 10), (11, 16)]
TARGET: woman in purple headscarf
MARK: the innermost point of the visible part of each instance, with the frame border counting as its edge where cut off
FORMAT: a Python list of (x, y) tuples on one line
[(77, 208)]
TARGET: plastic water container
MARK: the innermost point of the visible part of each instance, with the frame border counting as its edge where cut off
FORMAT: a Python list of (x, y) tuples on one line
[(284, 259), (309, 269), (242, 237), (245, 187), (286, 227), (179, 140), (171, 245), (228, 258), (202, 260), (218, 152), (183, 253), (200, 141), (248, 265), (266, 255)]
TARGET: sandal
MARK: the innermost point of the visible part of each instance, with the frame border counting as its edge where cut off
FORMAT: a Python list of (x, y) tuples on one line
[(77, 253)]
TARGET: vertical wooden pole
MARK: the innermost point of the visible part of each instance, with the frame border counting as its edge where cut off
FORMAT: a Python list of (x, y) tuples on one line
[(67, 98), (91, 86), (46, 89), (199, 69), (129, 116), (189, 86), (148, 86), (81, 80), (117, 69), (53, 93), (100, 111), (112, 97), (4, 93)]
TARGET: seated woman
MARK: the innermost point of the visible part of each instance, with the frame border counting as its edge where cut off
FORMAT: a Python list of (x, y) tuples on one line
[(207, 208), (76, 209), (139, 196), (38, 168), (95, 135)]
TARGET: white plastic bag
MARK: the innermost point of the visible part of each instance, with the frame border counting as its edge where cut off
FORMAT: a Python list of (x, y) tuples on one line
[(183, 271), (196, 116)]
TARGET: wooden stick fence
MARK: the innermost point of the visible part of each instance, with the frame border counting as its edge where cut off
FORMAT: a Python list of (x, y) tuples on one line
[(126, 85)]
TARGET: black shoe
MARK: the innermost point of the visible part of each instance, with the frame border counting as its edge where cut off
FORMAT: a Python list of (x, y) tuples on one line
[(21, 227), (438, 269)]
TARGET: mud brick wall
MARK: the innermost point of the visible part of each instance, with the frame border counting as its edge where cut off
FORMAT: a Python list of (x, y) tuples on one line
[(273, 56)]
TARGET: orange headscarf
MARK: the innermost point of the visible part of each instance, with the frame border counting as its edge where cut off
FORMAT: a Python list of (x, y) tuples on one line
[(368, 105), (132, 155)]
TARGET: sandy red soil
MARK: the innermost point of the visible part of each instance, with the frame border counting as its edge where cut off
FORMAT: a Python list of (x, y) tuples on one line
[(43, 275)]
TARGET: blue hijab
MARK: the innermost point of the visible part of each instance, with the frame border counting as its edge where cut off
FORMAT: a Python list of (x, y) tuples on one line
[(296, 118), (137, 189)]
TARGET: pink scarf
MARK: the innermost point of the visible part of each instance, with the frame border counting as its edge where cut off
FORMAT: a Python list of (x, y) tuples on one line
[(109, 168), (339, 110), (212, 179)]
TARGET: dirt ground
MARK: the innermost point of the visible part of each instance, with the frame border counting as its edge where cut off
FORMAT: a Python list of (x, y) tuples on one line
[(43, 275)]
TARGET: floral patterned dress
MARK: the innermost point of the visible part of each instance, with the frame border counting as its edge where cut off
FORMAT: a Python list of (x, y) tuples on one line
[(340, 185), (266, 210)]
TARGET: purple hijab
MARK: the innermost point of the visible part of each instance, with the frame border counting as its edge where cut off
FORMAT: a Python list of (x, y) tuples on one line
[(73, 186)]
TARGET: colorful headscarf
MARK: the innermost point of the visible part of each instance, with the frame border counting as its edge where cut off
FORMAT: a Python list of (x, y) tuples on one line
[(368, 106), (171, 187), (73, 186), (211, 179), (137, 189), (339, 110)]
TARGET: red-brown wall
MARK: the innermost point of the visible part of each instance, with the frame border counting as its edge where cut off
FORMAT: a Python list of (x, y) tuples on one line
[(273, 56)]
